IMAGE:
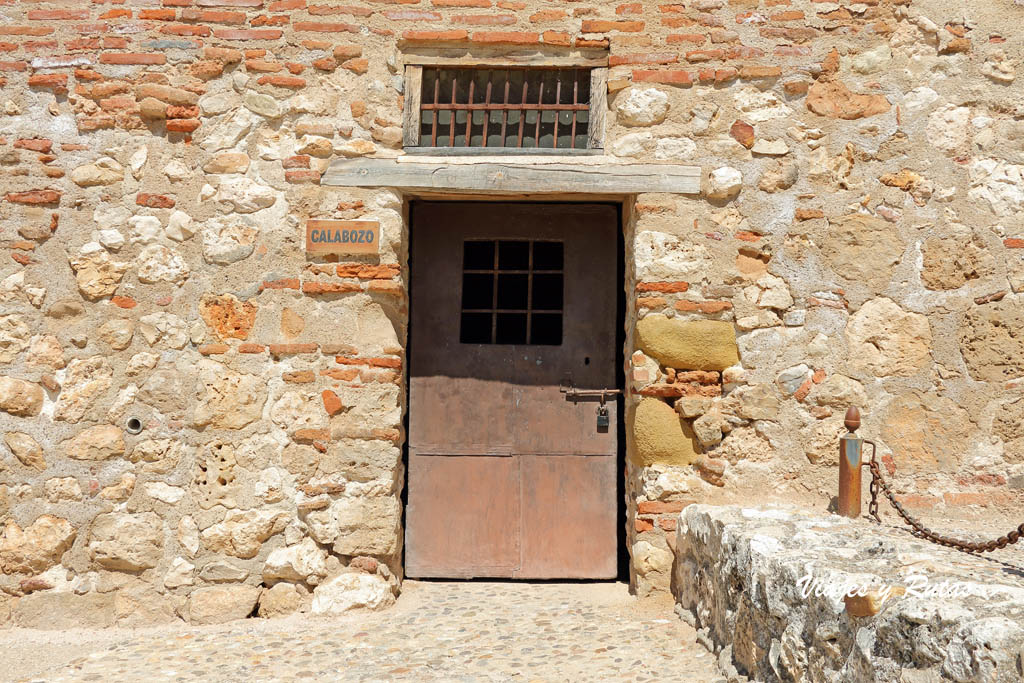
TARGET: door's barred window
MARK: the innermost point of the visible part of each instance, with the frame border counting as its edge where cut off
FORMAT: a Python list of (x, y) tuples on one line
[(505, 108), (512, 292)]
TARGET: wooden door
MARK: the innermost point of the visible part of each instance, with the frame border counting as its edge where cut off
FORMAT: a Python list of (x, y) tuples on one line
[(507, 476)]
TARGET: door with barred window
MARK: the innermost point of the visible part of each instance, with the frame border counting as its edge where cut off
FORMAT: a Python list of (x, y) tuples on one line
[(510, 475)]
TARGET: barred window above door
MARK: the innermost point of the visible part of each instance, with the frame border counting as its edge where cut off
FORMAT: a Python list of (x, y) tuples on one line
[(526, 109)]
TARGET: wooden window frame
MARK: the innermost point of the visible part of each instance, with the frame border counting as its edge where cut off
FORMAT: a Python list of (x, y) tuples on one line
[(413, 101)]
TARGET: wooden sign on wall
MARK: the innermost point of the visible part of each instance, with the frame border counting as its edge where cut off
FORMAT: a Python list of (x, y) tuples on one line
[(342, 237)]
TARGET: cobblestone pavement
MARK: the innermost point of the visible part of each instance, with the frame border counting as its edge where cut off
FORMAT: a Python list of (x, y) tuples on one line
[(438, 631)]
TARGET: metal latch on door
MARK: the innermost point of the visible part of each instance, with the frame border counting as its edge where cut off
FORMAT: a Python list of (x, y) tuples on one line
[(574, 394)]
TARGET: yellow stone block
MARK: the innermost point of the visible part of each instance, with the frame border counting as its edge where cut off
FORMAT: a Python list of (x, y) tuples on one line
[(660, 436), (688, 344)]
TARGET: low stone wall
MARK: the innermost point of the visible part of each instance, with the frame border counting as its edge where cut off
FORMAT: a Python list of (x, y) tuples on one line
[(920, 613)]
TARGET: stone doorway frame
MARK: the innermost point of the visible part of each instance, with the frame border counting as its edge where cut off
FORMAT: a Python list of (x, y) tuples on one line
[(593, 179)]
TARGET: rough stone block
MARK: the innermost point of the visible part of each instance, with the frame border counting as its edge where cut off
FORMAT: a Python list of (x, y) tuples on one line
[(688, 345), (660, 436)]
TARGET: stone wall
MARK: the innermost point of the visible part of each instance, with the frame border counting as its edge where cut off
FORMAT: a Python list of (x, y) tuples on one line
[(859, 240), (781, 594)]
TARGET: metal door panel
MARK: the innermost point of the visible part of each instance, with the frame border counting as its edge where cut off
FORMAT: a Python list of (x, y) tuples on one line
[(461, 415), (568, 517), (463, 516), (470, 402), (563, 427)]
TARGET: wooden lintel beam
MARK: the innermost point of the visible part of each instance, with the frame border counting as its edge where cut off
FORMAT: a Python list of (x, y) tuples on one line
[(514, 177)]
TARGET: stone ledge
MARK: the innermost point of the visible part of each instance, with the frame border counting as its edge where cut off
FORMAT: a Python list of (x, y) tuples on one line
[(737, 577)]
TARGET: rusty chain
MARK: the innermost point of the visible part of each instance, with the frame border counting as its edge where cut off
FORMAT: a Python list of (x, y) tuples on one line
[(920, 530)]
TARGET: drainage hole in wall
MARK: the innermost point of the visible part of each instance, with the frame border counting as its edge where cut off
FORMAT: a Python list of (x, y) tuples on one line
[(134, 425)]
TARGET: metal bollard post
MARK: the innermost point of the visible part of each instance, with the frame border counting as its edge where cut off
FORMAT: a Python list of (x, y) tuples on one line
[(851, 451)]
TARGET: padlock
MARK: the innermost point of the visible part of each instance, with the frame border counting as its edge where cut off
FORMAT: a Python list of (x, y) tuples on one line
[(602, 417)]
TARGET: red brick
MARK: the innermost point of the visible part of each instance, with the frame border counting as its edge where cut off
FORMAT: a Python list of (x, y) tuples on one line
[(35, 144), (156, 14), (251, 348), (642, 525), (132, 58), (154, 201), (183, 125), (359, 65), (57, 14), (263, 65), (667, 77), (248, 34), (651, 302), (1014, 243), (213, 17), (120, 13), (230, 3), (604, 26), (56, 81), (26, 30), (630, 8), (804, 389), (657, 507), (123, 301), (223, 54), (282, 5), (332, 404), (752, 71), (34, 197), (177, 111), (282, 81), (746, 235), (264, 20), (84, 44), (695, 38), (644, 58), (292, 349), (790, 15), (302, 176), (344, 375), (560, 38), (704, 55), (386, 287), (18, 66), (299, 161), (186, 30), (213, 349), (664, 287), (326, 63), (667, 524), (367, 271), (461, 3)]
